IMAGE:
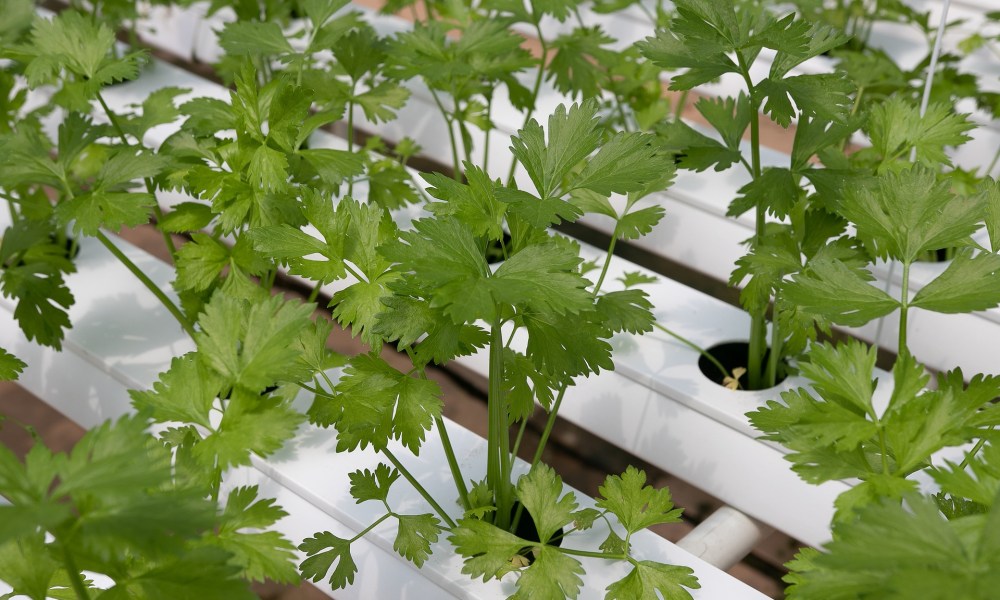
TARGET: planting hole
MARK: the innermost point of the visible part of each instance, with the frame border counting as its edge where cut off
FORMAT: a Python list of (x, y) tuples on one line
[(937, 256), (732, 355), (494, 251), (526, 530)]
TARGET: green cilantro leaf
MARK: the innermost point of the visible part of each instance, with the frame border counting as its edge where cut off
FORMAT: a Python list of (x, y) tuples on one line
[(204, 572), (648, 578), (577, 59), (825, 96), (10, 366), (373, 485), (728, 116), (631, 279), (539, 492), (572, 136), (858, 301), (252, 346), (564, 346), (158, 108), (553, 576), (901, 215), (261, 554), (251, 424), (695, 150), (979, 483), (628, 162), (636, 504), (626, 310), (476, 203), (30, 570), (359, 306), (375, 403), (895, 126), (897, 551), (415, 535), (381, 102), (323, 549), (254, 38), (42, 300), (184, 393), (970, 283), (487, 549), (544, 278)]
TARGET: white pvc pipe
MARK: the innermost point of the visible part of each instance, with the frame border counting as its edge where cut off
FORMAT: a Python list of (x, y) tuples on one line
[(725, 537)]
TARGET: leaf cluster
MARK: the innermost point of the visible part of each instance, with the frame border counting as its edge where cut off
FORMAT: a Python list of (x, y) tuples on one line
[(414, 535), (491, 552), (112, 507), (835, 431)]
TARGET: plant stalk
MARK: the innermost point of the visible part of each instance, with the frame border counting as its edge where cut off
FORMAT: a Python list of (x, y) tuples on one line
[(456, 471), (715, 362), (543, 54), (498, 444), (152, 287), (451, 135), (74, 574), (150, 189), (904, 309), (416, 485)]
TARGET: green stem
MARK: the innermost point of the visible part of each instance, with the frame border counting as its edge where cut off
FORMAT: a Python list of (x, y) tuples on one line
[(883, 448), (152, 287), (364, 531), (150, 189), (975, 450), (456, 471), (498, 443), (607, 261), (993, 163), (775, 357), (592, 554), (416, 485), (464, 130), (904, 310), (451, 135), (12, 209), (681, 102), (535, 89), (520, 435), (718, 365), (651, 16), (74, 574), (758, 318), (315, 292), (549, 424), (350, 133), (486, 137)]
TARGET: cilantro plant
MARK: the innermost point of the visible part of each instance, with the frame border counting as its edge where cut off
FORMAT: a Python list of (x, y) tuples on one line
[(85, 181), (707, 41), (114, 507), (836, 430), (90, 179), (430, 291)]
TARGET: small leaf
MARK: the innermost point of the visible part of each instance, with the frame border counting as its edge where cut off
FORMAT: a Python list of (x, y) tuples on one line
[(373, 485), (858, 301), (415, 535), (323, 549), (636, 504), (539, 491), (970, 283), (10, 366), (647, 578)]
